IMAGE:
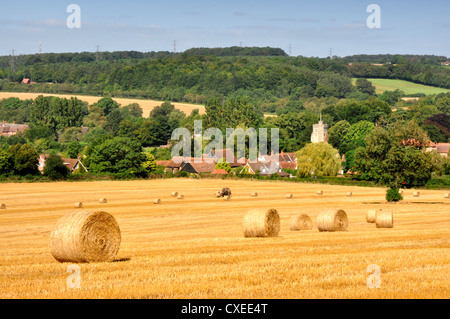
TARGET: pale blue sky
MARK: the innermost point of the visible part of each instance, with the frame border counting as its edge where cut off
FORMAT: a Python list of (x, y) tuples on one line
[(310, 27)]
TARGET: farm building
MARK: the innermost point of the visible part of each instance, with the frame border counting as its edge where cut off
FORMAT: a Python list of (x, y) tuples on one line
[(441, 148), (225, 155), (197, 168), (72, 164), (219, 172), (253, 168), (10, 129)]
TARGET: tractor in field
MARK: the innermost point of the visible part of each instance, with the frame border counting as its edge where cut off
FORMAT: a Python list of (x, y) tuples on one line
[(224, 192)]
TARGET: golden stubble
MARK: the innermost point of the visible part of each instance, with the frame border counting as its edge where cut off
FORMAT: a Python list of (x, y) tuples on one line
[(195, 248)]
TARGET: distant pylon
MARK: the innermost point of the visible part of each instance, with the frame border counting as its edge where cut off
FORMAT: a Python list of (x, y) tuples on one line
[(174, 46), (40, 47), (290, 49)]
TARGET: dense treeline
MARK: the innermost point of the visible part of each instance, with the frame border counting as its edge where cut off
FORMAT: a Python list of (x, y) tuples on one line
[(188, 78), (236, 51), (434, 75), (266, 75), (395, 58)]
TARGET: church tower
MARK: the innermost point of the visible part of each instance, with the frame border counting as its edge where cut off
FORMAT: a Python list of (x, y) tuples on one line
[(320, 132)]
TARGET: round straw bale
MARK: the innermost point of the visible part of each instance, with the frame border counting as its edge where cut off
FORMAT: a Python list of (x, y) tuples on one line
[(401, 192), (416, 194), (102, 200), (174, 194), (261, 223), (78, 205), (2, 206), (349, 194), (301, 222), (254, 194), (385, 219), (180, 196), (319, 192), (228, 197), (332, 220), (445, 196), (289, 195), (371, 215), (157, 201), (85, 237)]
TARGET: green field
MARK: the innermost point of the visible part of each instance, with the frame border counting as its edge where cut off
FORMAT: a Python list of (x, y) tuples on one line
[(405, 86)]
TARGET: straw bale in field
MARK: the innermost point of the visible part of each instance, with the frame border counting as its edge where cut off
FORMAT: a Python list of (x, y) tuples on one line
[(332, 220), (385, 219), (82, 237), (261, 223), (301, 222)]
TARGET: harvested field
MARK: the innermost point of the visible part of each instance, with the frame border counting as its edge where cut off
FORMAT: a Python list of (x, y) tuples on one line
[(146, 105), (195, 249)]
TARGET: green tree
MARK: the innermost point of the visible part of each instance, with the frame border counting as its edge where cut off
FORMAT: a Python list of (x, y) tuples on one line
[(223, 165), (6, 163), (396, 156), (319, 159), (54, 168), (355, 136), (106, 105), (116, 155), (73, 149), (24, 159), (365, 86), (337, 132), (149, 164)]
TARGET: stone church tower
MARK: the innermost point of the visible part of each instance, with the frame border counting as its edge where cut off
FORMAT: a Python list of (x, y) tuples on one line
[(320, 132)]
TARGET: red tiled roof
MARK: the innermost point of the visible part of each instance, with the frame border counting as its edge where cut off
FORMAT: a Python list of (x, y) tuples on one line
[(443, 147), (288, 165), (203, 167), (162, 163), (219, 172)]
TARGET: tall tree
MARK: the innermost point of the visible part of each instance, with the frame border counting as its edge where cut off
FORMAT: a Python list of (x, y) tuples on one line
[(318, 159)]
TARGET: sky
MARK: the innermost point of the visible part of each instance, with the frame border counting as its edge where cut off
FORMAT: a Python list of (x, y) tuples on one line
[(306, 28)]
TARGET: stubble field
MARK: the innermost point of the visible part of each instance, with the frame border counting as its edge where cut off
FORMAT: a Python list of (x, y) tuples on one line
[(146, 105), (195, 248)]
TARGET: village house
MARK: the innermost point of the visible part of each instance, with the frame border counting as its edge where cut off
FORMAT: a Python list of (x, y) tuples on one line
[(10, 129), (197, 168), (441, 148), (72, 164), (224, 155), (27, 81)]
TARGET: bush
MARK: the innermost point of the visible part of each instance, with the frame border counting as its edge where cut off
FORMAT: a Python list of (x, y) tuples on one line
[(392, 195)]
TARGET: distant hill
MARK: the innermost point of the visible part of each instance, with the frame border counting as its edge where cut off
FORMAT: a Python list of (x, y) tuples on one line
[(394, 58), (237, 51)]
